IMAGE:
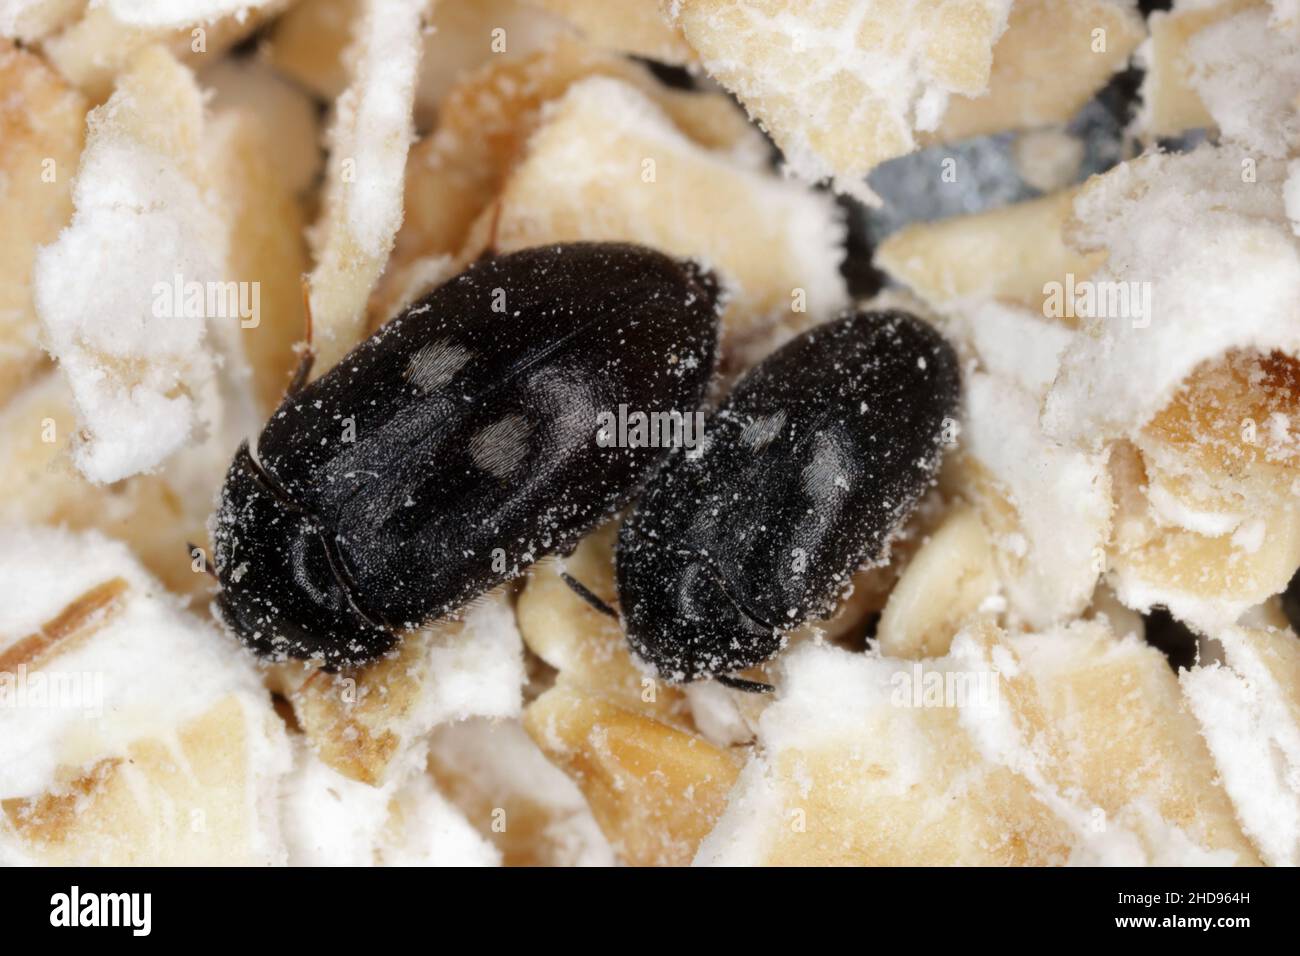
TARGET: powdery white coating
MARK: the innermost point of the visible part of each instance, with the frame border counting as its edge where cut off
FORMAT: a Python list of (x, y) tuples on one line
[(1136, 835), (332, 820), (843, 84), (1001, 742), (1061, 494), (1142, 837), (426, 830), (575, 162), (826, 695), (1135, 591), (1223, 268), (1013, 344), (716, 715), (160, 666), (374, 119), (329, 819), (502, 763), (460, 673), (1247, 74), (365, 179), (478, 672), (141, 381), (13, 12), (1252, 733), (29, 20), (829, 700), (1175, 511), (178, 13), (743, 834), (841, 707)]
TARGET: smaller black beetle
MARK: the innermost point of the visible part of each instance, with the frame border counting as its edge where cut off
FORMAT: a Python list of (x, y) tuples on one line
[(456, 446), (807, 470)]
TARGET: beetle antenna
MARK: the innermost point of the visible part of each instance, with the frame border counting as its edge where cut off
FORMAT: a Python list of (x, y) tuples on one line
[(308, 357), (490, 246), (496, 224), (588, 595), (196, 551), (748, 686)]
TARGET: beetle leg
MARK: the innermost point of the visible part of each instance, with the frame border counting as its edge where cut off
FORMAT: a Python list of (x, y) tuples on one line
[(308, 353), (491, 249), (301, 372), (748, 686), (585, 593)]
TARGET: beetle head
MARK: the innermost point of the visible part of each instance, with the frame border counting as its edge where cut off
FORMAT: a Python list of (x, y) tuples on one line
[(283, 593), (682, 620)]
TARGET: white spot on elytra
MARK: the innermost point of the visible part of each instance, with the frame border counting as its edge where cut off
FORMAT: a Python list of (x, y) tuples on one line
[(826, 474), (760, 432), (502, 446), (436, 364)]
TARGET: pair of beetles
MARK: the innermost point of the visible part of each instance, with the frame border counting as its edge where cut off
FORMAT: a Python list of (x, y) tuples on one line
[(473, 454)]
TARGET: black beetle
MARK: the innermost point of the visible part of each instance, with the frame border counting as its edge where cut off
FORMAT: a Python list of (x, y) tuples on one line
[(456, 446), (807, 470)]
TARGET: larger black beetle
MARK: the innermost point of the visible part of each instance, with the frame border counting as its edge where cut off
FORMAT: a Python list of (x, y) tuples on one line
[(807, 470), (456, 446)]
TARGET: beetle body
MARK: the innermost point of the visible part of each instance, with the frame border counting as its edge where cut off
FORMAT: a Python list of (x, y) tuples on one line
[(456, 446), (807, 470)]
